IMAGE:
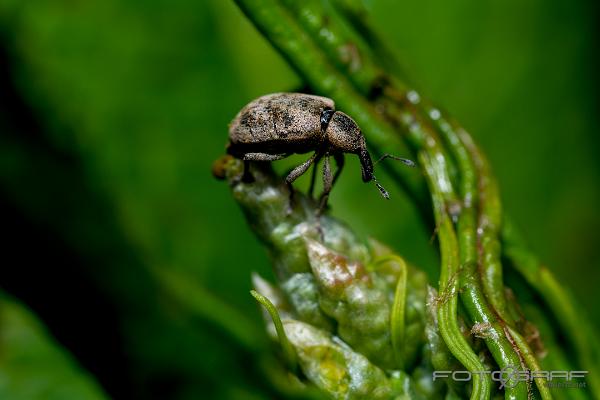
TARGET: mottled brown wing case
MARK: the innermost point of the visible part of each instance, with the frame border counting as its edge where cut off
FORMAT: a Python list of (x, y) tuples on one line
[(279, 117)]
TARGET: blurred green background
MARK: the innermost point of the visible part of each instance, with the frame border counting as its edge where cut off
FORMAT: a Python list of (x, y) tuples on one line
[(113, 111)]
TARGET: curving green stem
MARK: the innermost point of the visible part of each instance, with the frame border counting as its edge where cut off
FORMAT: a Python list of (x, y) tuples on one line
[(398, 311), (505, 354), (471, 191), (488, 225), (447, 310), (288, 350), (328, 30), (530, 360), (397, 317)]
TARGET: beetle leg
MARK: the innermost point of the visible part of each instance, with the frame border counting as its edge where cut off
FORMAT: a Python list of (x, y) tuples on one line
[(328, 181), (263, 157), (247, 176), (339, 162), (313, 177), (295, 174), (299, 170), (327, 184)]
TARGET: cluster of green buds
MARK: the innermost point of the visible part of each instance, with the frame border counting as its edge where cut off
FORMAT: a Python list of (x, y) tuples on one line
[(349, 315)]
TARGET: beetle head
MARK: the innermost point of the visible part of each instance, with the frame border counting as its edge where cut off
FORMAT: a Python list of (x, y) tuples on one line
[(343, 134), (366, 166)]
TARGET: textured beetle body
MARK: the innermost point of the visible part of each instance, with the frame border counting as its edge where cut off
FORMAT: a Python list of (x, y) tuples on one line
[(274, 126), (278, 123)]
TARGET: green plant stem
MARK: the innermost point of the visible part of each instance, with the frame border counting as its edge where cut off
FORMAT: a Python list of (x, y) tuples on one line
[(559, 300), (324, 26), (554, 354), (356, 14), (530, 360), (288, 350), (398, 311), (472, 253), (488, 227), (447, 310), (505, 354)]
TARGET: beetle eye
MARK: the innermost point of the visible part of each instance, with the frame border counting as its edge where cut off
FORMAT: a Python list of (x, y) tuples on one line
[(326, 116)]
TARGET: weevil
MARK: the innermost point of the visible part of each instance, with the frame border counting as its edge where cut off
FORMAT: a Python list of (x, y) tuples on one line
[(274, 126)]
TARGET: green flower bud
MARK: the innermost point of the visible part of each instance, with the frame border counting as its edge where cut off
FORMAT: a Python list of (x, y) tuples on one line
[(358, 302), (349, 314)]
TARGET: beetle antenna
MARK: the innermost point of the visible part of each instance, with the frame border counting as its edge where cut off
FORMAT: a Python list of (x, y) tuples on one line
[(382, 190), (406, 161)]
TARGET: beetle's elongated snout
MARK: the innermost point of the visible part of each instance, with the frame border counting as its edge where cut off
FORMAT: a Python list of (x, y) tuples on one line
[(366, 165)]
